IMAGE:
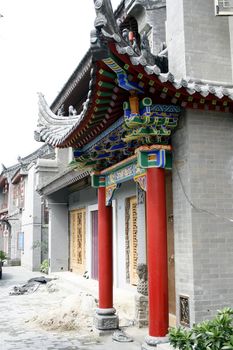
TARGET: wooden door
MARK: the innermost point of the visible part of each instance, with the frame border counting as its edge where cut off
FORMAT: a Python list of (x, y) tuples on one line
[(77, 241), (94, 245), (133, 241)]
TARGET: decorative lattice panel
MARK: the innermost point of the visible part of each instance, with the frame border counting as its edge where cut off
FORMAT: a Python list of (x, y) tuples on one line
[(77, 240), (133, 241), (184, 311)]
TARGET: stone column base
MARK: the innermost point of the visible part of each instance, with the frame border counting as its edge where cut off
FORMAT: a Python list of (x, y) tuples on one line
[(106, 319), (152, 342), (141, 310)]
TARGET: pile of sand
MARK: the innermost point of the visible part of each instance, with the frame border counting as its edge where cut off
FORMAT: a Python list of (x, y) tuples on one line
[(75, 312), (60, 310)]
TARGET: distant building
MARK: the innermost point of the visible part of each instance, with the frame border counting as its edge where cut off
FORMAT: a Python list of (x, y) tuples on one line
[(23, 235), (150, 184)]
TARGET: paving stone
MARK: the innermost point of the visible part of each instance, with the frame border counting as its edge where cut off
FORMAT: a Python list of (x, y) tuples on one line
[(16, 333)]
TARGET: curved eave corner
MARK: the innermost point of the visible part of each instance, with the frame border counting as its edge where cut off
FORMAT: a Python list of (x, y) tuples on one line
[(56, 129)]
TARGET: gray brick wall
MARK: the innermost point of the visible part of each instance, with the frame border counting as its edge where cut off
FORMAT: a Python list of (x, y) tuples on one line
[(156, 19), (175, 38), (198, 42), (203, 148), (182, 219), (230, 19)]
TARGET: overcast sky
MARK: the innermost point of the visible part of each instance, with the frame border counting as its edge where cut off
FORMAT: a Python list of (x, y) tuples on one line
[(41, 43)]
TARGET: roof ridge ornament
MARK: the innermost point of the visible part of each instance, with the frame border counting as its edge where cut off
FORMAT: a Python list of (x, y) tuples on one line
[(105, 21), (148, 4), (51, 127)]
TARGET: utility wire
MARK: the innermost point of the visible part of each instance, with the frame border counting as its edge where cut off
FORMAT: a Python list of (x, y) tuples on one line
[(201, 210)]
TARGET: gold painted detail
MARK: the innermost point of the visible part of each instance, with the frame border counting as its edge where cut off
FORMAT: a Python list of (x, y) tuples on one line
[(141, 180), (153, 147), (134, 104), (77, 242), (109, 193), (133, 242)]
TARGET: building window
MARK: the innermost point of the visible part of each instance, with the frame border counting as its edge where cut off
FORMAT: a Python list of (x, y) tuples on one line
[(223, 7), (227, 3), (4, 203), (20, 240), (18, 194)]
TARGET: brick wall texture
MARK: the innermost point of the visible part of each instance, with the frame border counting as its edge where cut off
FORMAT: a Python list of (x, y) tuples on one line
[(203, 158)]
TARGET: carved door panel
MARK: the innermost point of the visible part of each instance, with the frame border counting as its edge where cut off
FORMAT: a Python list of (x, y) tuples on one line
[(133, 241), (77, 240)]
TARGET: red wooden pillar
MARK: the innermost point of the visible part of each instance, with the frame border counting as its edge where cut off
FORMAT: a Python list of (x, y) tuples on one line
[(157, 252), (105, 318), (105, 252)]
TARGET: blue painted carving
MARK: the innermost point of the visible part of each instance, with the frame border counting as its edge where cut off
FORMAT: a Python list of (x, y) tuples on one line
[(122, 77), (110, 191), (152, 125)]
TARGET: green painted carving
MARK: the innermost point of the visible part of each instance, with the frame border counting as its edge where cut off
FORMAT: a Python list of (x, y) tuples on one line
[(154, 158), (104, 93), (106, 85), (100, 109), (102, 101), (143, 120), (107, 74), (97, 181)]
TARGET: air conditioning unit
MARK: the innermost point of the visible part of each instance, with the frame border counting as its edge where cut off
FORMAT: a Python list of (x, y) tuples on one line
[(223, 7)]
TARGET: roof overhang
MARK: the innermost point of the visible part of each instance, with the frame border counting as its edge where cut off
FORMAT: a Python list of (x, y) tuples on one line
[(69, 178), (119, 69)]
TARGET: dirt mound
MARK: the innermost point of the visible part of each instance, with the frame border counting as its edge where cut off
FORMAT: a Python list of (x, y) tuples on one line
[(74, 313)]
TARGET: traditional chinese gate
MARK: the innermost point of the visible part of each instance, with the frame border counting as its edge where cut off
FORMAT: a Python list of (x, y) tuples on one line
[(147, 168)]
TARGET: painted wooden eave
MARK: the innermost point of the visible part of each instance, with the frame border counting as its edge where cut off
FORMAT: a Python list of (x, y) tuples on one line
[(77, 130)]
